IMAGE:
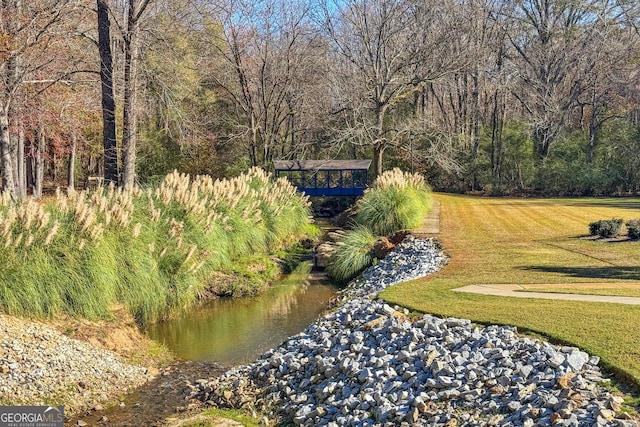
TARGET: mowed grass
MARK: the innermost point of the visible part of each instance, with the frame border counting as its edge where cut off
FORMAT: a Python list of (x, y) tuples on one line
[(536, 241), (605, 289)]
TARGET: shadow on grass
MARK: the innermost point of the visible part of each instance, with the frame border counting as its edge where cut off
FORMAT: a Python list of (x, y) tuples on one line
[(592, 238), (630, 203), (621, 203), (613, 272)]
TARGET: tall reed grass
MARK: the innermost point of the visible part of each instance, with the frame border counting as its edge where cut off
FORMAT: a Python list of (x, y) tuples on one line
[(153, 250), (396, 201)]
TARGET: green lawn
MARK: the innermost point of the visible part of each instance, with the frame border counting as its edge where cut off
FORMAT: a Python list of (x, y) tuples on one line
[(606, 289), (537, 242)]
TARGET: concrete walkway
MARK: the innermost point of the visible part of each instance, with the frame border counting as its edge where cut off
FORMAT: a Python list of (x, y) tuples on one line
[(516, 292)]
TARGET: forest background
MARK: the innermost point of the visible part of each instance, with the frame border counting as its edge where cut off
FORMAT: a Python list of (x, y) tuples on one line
[(499, 97)]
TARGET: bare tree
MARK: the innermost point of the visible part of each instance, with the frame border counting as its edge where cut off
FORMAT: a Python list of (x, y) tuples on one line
[(107, 94), (613, 75), (629, 13), (128, 16), (269, 59), (459, 104), (391, 49), (28, 52), (135, 10), (550, 38)]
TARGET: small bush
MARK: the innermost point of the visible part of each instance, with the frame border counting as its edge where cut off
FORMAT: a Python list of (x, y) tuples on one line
[(606, 227), (633, 229)]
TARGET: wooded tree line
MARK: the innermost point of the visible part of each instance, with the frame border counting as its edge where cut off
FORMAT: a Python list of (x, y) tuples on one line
[(497, 96)]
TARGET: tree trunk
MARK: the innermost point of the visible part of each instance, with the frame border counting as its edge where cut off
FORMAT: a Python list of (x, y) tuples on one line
[(593, 128), (53, 166), (8, 183), (542, 137), (21, 184), (71, 181), (253, 149), (129, 120), (129, 116), (39, 157), (108, 100), (30, 167), (593, 139), (475, 126), (378, 151), (15, 162), (9, 76), (497, 122), (379, 144)]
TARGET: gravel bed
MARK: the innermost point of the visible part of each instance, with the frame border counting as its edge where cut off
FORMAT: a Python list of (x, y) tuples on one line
[(366, 364), (39, 365), (411, 259)]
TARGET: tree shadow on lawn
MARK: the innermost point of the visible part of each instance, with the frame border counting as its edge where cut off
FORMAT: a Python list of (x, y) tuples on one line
[(622, 203), (613, 272), (632, 203), (618, 239)]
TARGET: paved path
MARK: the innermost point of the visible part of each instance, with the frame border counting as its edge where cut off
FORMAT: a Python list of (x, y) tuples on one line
[(516, 291), (431, 223)]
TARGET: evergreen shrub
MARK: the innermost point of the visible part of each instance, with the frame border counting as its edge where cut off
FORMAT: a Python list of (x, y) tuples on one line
[(606, 227), (633, 229)]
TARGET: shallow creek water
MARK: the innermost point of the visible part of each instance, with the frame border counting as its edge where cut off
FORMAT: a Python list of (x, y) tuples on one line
[(215, 336), (236, 331)]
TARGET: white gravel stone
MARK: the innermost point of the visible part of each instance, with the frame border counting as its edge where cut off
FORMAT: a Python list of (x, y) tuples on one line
[(39, 365), (367, 366)]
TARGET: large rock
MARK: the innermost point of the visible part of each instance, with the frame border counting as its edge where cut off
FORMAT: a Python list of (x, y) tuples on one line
[(323, 254), (382, 247), (398, 237), (335, 236)]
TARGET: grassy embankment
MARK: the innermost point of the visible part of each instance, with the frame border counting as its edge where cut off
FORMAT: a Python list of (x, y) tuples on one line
[(152, 252), (538, 242), (396, 201)]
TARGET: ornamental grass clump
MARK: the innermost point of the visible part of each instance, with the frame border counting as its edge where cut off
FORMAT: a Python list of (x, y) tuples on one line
[(52, 270), (397, 201), (152, 251), (353, 254)]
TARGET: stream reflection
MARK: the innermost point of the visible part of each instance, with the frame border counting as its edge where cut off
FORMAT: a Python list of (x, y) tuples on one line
[(235, 331)]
